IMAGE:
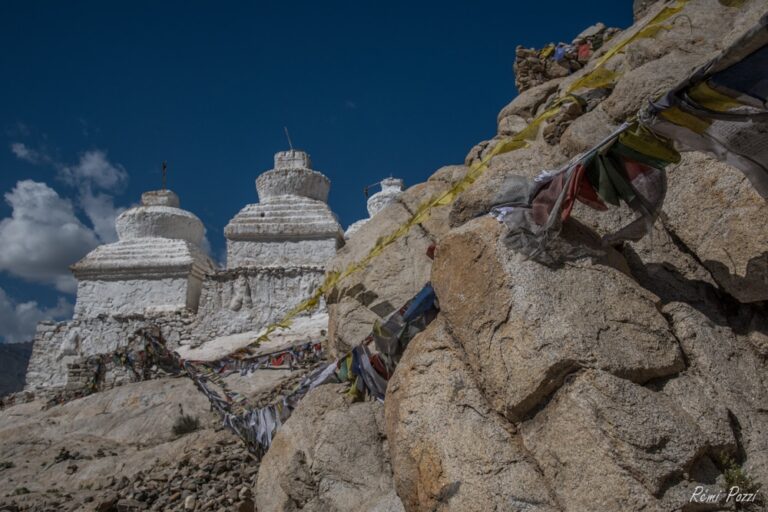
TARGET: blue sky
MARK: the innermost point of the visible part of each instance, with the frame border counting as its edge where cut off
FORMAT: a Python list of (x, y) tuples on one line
[(95, 95)]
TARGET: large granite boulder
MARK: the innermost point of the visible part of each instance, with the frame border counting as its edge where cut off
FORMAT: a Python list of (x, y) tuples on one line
[(525, 326), (330, 456), (718, 216), (451, 451), (625, 444), (725, 386)]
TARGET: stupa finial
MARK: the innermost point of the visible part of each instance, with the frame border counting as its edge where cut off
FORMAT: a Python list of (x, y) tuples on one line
[(165, 173), (288, 136)]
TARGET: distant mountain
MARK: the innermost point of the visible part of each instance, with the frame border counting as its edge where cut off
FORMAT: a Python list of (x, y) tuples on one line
[(14, 358)]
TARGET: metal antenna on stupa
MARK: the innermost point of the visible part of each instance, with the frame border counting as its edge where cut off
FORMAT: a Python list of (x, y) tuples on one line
[(165, 172), (288, 136)]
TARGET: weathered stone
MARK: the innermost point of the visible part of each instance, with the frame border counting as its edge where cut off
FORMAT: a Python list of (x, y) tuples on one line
[(585, 131), (329, 456), (511, 125), (712, 208), (399, 269), (731, 379), (525, 326), (350, 322), (449, 174), (648, 82), (624, 444), (491, 188), (450, 451), (501, 182)]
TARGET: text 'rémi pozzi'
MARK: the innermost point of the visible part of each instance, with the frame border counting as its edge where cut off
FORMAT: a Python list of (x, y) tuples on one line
[(733, 495)]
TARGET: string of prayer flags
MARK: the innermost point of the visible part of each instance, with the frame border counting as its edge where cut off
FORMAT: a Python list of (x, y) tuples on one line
[(627, 166), (368, 372), (722, 108)]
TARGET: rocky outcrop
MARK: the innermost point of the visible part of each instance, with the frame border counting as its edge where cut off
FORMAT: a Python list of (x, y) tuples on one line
[(724, 229), (330, 456), (626, 445), (531, 333), (624, 380)]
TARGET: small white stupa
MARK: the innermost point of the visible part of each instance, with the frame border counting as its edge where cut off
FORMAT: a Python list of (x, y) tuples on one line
[(156, 266), (391, 188), (291, 225)]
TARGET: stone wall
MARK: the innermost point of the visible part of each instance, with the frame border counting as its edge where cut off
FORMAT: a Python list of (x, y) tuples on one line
[(537, 66), (58, 345), (248, 299), (96, 297), (231, 301)]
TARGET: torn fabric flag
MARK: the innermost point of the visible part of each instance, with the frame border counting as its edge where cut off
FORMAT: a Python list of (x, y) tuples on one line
[(722, 108)]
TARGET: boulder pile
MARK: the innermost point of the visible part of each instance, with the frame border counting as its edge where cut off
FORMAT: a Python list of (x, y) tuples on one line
[(536, 66)]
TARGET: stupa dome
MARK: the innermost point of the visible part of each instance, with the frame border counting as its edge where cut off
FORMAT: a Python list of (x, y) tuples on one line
[(292, 175), (391, 188), (159, 216)]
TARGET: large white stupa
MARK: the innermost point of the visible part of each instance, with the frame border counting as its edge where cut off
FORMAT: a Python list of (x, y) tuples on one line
[(291, 225), (157, 265)]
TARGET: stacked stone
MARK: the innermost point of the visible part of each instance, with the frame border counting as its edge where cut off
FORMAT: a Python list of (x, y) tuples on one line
[(83, 375), (534, 67), (58, 345)]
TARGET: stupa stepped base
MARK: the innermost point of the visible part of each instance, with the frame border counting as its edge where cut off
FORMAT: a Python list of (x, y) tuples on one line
[(142, 258), (283, 217), (140, 275)]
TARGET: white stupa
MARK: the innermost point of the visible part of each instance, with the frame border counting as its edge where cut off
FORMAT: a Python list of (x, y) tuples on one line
[(291, 225), (157, 264), (391, 188)]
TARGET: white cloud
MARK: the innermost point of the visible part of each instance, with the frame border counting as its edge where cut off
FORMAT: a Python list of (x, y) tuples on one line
[(18, 319), (24, 152), (43, 236), (92, 172), (94, 169), (101, 211)]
